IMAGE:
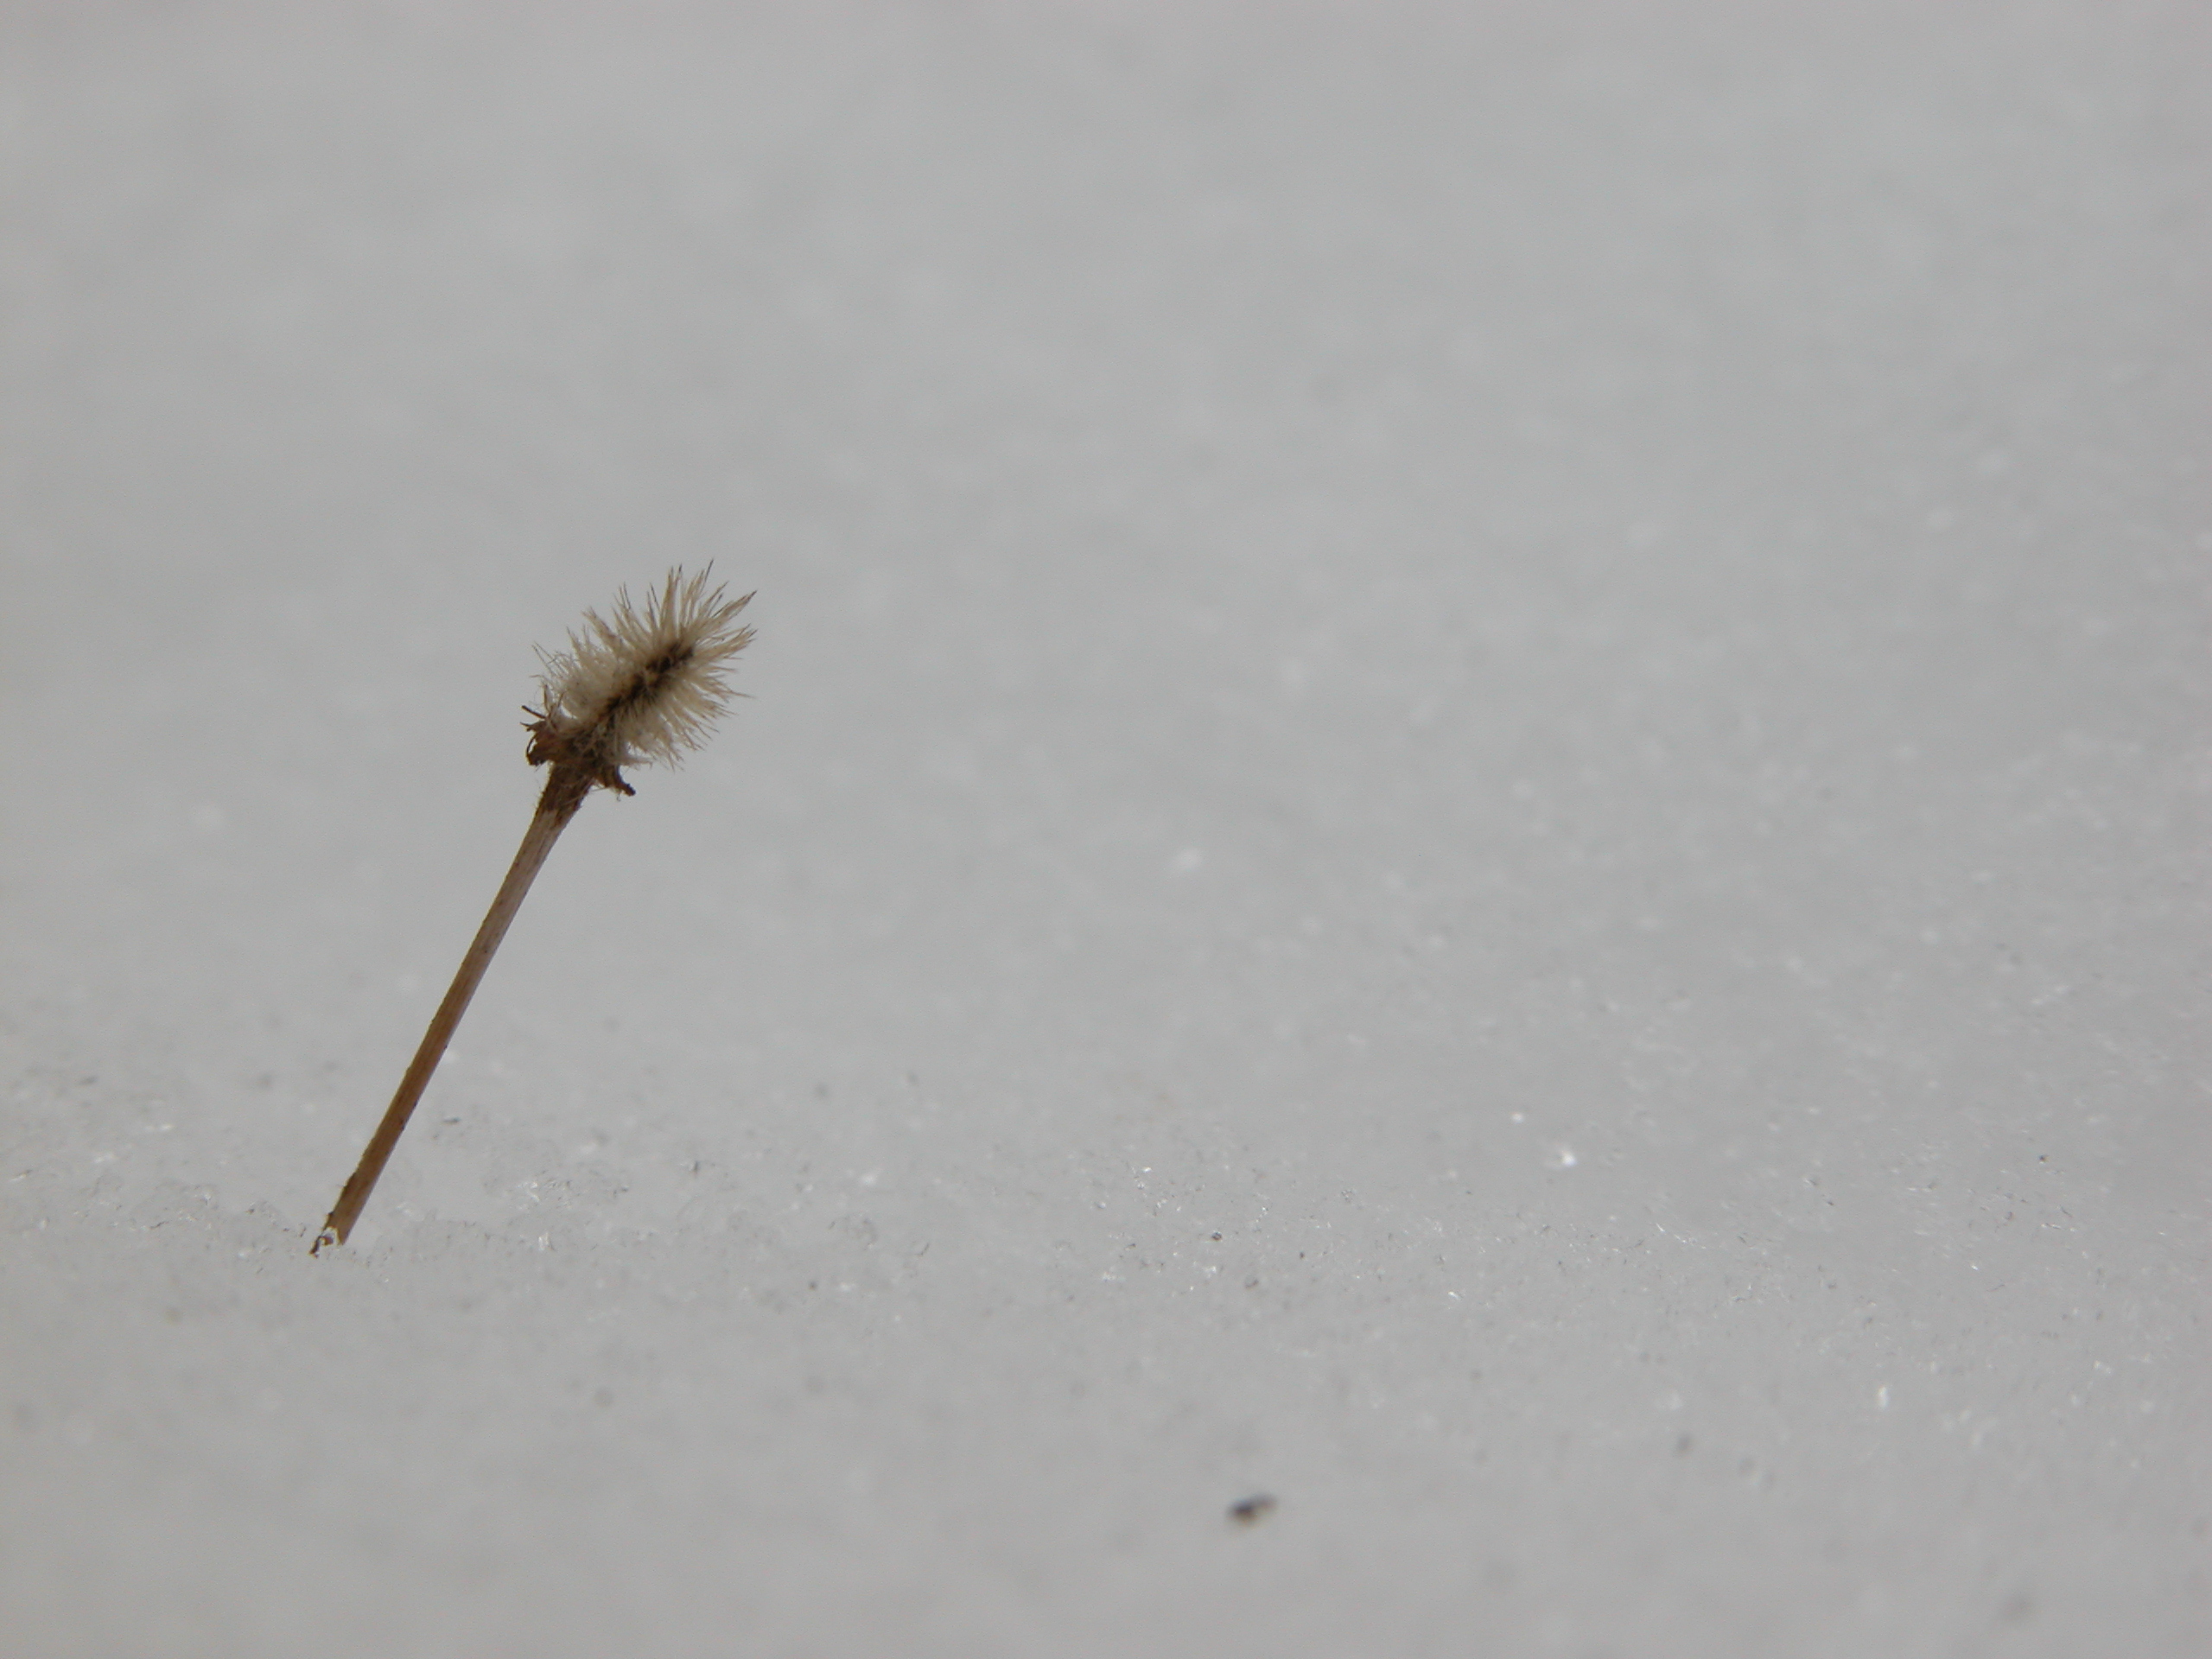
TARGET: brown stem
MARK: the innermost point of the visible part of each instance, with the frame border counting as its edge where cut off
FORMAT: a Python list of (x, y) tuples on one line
[(563, 795)]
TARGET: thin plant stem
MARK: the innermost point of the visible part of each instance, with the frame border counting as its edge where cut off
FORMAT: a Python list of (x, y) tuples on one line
[(642, 683), (554, 811)]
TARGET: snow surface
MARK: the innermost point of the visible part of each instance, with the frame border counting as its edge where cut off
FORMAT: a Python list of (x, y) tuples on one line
[(1476, 795)]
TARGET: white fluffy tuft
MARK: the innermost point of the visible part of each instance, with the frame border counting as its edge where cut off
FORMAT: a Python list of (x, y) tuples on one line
[(644, 683)]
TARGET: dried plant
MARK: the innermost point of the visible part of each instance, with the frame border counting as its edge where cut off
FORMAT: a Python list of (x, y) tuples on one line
[(644, 683)]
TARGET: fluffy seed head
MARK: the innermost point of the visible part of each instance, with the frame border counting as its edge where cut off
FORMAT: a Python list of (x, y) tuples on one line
[(642, 684)]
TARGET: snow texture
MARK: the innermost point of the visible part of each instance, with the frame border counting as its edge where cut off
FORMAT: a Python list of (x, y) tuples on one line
[(1476, 796)]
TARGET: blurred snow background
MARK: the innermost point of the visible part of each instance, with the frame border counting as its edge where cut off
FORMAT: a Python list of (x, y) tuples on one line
[(1476, 793)]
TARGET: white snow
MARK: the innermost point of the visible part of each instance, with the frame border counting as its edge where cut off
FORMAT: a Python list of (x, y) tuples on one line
[(1349, 598)]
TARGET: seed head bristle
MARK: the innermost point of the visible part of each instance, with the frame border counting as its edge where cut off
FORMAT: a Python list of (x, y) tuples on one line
[(641, 684)]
